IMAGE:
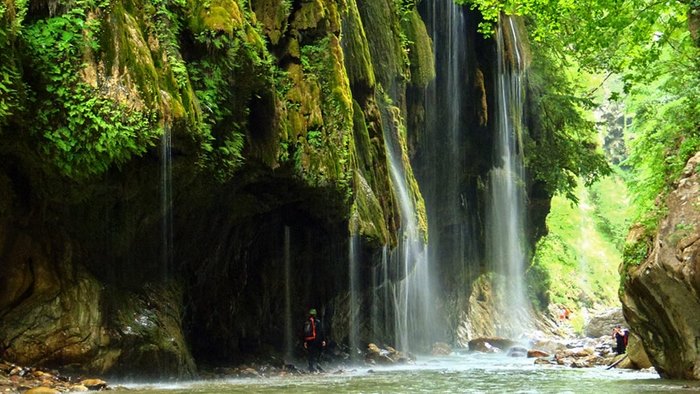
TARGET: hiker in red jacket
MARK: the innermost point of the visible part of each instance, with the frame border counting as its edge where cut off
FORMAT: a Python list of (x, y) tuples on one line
[(314, 340)]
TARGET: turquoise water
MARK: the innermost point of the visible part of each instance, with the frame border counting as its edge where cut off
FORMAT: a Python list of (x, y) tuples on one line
[(475, 373)]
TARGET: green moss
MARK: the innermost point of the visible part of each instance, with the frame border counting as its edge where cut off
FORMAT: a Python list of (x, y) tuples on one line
[(221, 16), (381, 23), (320, 102), (127, 55), (369, 219), (86, 128), (356, 49), (398, 129), (309, 15), (273, 14), (635, 252), (420, 50)]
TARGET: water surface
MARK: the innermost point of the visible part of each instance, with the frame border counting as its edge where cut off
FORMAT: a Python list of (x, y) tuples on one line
[(472, 373)]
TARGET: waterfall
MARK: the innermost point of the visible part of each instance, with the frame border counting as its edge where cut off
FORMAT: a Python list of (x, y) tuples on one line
[(166, 195), (443, 162), (413, 295), (354, 302), (382, 322), (288, 325), (506, 203)]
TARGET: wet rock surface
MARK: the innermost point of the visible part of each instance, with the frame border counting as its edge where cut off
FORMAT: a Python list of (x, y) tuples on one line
[(574, 352), (29, 380), (386, 355)]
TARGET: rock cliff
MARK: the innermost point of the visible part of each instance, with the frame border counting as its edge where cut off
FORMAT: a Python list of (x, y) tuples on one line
[(660, 295), (171, 171), (153, 154)]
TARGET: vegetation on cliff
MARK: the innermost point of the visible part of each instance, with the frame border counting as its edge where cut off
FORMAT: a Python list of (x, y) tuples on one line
[(652, 49), (575, 264)]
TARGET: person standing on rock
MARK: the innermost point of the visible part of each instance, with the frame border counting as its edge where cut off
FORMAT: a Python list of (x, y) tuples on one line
[(620, 338), (314, 340)]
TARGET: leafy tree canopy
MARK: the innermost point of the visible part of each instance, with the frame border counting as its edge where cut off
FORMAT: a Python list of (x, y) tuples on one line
[(651, 46)]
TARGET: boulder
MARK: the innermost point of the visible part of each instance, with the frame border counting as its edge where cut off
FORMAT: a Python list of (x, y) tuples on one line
[(517, 351), (490, 344), (548, 345), (42, 390), (534, 353), (636, 353), (662, 282), (441, 349), (602, 323), (94, 384), (544, 361), (388, 355)]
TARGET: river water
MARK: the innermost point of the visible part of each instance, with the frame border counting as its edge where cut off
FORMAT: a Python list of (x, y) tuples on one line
[(467, 373)]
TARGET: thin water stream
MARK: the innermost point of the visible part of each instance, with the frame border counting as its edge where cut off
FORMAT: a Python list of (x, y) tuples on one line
[(461, 373)]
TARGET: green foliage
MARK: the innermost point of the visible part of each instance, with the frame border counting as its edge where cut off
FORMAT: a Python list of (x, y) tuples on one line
[(329, 146), (665, 131), (647, 44), (612, 209), (603, 35), (405, 7), (168, 23), (635, 253), (83, 132), (491, 11), (575, 265), (562, 146), (11, 15), (232, 69)]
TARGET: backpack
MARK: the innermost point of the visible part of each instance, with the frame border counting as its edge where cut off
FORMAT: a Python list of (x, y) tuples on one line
[(310, 329)]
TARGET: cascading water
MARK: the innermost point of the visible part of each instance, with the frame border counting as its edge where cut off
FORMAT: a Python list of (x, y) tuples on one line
[(506, 203), (382, 299), (354, 302), (443, 158), (288, 325), (413, 295), (166, 193)]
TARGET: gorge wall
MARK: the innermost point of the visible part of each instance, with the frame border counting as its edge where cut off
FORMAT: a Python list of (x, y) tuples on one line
[(153, 154), (660, 281)]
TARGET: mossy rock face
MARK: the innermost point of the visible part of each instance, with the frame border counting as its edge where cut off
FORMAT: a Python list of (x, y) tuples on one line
[(274, 16), (320, 116), (420, 50), (221, 16), (135, 68), (369, 211), (358, 61), (128, 62), (397, 131), (383, 31), (317, 15), (265, 92)]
